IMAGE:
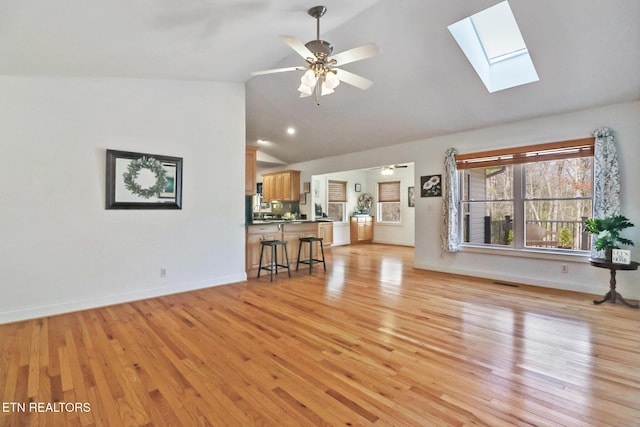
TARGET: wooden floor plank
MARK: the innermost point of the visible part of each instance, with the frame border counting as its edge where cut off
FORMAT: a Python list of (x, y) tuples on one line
[(372, 341)]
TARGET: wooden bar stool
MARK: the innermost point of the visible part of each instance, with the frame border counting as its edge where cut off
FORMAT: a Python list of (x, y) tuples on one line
[(311, 260), (273, 244)]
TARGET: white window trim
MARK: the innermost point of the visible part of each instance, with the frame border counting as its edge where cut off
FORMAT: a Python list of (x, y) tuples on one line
[(549, 254)]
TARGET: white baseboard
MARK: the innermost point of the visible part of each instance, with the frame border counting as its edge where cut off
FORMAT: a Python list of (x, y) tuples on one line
[(105, 300), (396, 243), (585, 288)]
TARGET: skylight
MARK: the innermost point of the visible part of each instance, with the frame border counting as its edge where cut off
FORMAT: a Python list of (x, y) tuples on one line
[(492, 42)]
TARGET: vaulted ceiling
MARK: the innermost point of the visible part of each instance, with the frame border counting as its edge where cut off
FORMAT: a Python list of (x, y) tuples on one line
[(586, 52)]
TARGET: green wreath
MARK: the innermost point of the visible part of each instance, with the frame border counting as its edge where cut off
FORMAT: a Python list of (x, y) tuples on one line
[(133, 170)]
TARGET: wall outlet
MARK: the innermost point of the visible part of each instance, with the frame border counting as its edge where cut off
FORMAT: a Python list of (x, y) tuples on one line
[(163, 272), (564, 268)]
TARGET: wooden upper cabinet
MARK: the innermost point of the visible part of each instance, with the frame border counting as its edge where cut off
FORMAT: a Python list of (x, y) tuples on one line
[(268, 187), (286, 186), (279, 187), (251, 155), (283, 186)]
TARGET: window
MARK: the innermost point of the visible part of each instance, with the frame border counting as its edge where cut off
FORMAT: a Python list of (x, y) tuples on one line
[(493, 44), (528, 197), (389, 202), (338, 200)]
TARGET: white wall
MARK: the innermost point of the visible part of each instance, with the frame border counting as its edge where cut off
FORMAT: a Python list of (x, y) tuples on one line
[(341, 233), (60, 250), (428, 155), (396, 234)]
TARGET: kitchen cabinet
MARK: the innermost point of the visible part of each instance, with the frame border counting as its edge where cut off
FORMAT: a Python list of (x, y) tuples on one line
[(361, 229), (251, 155), (292, 234), (281, 186), (268, 188), (325, 230), (256, 234)]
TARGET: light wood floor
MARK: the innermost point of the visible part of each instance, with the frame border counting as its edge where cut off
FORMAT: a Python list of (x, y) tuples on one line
[(370, 342)]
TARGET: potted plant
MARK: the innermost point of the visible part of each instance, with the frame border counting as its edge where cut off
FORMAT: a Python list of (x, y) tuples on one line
[(565, 238), (608, 231)]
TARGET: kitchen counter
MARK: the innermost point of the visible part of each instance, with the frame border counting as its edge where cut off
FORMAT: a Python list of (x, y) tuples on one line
[(287, 221), (289, 231)]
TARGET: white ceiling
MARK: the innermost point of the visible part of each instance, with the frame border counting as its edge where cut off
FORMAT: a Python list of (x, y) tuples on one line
[(586, 52)]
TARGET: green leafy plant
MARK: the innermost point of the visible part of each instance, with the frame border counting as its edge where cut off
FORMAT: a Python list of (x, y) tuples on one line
[(508, 238), (608, 231), (565, 238)]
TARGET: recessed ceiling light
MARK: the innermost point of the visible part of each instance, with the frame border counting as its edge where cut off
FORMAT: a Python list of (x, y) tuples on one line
[(291, 131), (262, 142)]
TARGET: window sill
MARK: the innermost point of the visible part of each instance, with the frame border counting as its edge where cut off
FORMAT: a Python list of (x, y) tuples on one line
[(555, 255)]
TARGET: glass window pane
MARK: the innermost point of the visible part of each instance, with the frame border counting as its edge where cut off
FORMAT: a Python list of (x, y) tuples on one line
[(493, 183), (336, 211), (389, 212), (488, 222), (558, 200), (567, 178), (557, 224)]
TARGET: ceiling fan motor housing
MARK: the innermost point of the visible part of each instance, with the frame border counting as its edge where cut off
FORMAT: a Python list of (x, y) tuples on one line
[(320, 48)]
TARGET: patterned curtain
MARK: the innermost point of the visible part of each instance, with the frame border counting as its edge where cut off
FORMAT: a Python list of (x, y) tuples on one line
[(449, 228), (606, 179)]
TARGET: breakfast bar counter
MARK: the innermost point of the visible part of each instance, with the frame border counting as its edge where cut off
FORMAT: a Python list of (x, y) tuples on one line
[(288, 231)]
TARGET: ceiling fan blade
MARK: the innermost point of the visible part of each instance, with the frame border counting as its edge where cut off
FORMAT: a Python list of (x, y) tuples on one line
[(298, 46), (356, 54), (277, 70), (353, 79)]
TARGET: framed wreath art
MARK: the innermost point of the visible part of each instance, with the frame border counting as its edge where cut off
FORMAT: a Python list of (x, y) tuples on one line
[(365, 202), (143, 181)]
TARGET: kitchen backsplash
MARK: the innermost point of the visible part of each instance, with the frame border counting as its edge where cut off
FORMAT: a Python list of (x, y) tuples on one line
[(275, 209)]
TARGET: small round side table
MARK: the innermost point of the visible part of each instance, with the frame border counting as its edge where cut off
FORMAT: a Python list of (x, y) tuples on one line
[(613, 295)]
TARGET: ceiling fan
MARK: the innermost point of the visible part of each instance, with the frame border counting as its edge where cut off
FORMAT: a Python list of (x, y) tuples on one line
[(321, 75), (388, 169)]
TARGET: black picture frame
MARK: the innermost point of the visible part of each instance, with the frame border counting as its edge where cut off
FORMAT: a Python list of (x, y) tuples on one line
[(130, 181), (358, 188), (431, 186), (411, 196)]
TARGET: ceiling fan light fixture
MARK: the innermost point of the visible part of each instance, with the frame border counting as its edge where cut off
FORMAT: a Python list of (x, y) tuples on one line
[(386, 171), (330, 80), (307, 90), (326, 90), (309, 78)]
